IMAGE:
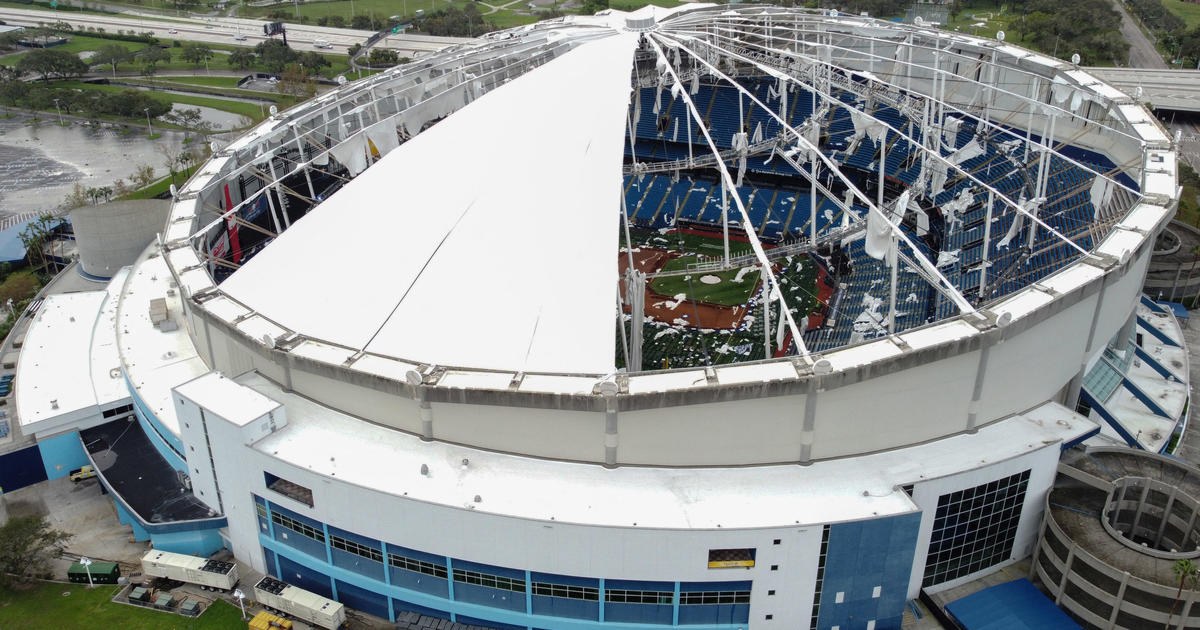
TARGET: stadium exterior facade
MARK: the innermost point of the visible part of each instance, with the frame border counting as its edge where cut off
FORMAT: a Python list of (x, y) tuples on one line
[(817, 489)]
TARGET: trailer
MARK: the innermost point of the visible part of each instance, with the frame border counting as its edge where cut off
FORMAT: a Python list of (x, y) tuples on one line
[(102, 573), (209, 575), (299, 603)]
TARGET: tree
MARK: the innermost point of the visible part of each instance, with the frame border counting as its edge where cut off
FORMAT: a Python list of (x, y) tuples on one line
[(590, 7), (196, 54), (361, 22), (295, 82), (382, 57), (27, 543), (312, 62), (113, 54), (50, 62), (12, 91), (337, 21), (151, 57), (1187, 572), (241, 59), (275, 55), (143, 176), (190, 119)]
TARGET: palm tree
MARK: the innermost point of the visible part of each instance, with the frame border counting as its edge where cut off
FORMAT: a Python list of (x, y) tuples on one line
[(1188, 573)]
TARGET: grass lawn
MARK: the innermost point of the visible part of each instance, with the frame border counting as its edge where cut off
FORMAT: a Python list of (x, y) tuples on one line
[(206, 81), (250, 110), (161, 186), (45, 606), (993, 16), (726, 292), (1188, 12), (632, 5)]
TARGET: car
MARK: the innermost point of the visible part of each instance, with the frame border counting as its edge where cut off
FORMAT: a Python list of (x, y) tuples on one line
[(86, 472), (239, 37), (208, 26), (173, 31)]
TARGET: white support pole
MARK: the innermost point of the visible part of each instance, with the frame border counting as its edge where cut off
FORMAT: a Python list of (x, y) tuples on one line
[(812, 201), (766, 304), (987, 240), (725, 222), (275, 185), (1043, 172), (894, 259)]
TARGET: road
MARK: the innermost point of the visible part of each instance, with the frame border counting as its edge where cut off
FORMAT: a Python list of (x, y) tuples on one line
[(1176, 90), (1142, 53), (221, 30)]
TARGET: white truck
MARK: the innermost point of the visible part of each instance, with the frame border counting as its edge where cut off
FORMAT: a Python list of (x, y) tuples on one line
[(296, 602), (210, 575), (320, 43)]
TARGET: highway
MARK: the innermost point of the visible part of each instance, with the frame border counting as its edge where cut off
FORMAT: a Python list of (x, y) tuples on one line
[(1177, 90), (221, 30)]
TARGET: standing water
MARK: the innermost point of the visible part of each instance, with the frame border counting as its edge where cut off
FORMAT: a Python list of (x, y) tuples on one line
[(41, 162)]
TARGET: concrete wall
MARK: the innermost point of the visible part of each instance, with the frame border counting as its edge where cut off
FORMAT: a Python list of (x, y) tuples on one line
[(112, 235)]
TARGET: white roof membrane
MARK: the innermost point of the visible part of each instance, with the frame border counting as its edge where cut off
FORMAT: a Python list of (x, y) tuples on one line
[(480, 242)]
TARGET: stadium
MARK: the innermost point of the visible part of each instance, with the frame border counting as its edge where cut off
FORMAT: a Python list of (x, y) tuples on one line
[(713, 317)]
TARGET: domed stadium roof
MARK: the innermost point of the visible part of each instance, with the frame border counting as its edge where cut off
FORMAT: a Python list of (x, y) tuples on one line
[(872, 178)]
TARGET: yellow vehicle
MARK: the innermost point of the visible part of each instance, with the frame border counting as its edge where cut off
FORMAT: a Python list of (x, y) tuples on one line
[(79, 474), (266, 621)]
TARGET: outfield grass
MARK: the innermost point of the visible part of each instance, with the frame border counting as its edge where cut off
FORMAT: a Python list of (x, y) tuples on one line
[(726, 292), (206, 81), (1188, 12), (45, 606)]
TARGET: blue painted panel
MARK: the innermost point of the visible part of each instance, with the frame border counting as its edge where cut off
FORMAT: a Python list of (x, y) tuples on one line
[(564, 607), (169, 455), (472, 621), (402, 606), (300, 542), (862, 556), (638, 613), (636, 585), (362, 599), (304, 577), (194, 543), (139, 533), (494, 597), (418, 581), (357, 563), (61, 454), (269, 558), (714, 614), (21, 468), (144, 413)]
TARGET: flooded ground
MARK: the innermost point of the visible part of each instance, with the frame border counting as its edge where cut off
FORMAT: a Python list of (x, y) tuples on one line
[(220, 119), (41, 162)]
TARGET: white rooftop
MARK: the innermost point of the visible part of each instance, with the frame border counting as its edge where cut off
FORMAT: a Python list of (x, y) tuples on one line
[(335, 444), (475, 243), (68, 366)]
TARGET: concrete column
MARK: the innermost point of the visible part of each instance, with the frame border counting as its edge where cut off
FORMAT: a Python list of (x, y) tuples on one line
[(1112, 617), (1187, 611), (1062, 582), (1162, 527), (1122, 338), (1072, 395), (810, 420), (610, 430), (1137, 516), (977, 392)]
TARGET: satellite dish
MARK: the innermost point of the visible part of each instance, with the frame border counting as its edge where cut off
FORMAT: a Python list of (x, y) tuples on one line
[(608, 388), (1075, 59), (822, 366), (341, 79), (174, 192), (1004, 319), (918, 21), (1137, 92), (274, 110), (414, 377), (1000, 36)]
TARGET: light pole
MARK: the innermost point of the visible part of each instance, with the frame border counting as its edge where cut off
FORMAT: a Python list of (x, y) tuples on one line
[(87, 565), (149, 129), (241, 597), (56, 107)]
